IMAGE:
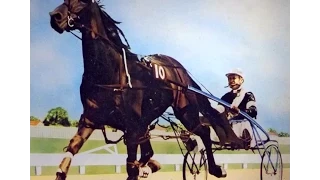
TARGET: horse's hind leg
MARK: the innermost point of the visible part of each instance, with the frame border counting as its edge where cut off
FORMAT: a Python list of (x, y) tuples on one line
[(216, 170), (219, 122), (189, 116), (73, 148)]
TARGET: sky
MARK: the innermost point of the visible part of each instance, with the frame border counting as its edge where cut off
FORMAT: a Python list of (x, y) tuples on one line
[(209, 37)]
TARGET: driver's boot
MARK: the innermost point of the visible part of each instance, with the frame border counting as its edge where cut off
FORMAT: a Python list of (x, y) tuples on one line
[(247, 137)]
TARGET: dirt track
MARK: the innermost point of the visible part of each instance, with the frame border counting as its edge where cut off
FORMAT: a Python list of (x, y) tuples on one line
[(241, 174)]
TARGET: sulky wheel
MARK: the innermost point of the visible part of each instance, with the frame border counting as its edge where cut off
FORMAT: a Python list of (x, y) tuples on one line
[(271, 165), (195, 166)]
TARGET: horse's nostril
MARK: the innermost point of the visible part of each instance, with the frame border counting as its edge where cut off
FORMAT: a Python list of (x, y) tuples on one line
[(57, 16)]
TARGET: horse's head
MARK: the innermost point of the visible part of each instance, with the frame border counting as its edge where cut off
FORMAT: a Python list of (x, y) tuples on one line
[(65, 16), (87, 16)]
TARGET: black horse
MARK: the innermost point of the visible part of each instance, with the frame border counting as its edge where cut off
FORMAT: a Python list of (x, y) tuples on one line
[(120, 90)]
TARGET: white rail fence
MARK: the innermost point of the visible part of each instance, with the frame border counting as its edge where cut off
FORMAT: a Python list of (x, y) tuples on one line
[(82, 160), (69, 132)]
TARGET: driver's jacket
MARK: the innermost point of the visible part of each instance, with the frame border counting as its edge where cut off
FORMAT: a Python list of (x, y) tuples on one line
[(245, 101)]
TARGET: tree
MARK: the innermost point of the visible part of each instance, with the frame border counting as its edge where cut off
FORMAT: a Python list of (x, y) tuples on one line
[(74, 123), (272, 130), (57, 116), (283, 134), (32, 118)]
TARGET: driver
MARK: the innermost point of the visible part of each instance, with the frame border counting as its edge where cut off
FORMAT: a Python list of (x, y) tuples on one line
[(240, 99)]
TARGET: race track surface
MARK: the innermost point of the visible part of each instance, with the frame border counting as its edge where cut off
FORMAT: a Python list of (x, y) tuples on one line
[(239, 174)]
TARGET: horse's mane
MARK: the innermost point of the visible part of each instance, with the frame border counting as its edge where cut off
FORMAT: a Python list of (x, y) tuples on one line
[(108, 21)]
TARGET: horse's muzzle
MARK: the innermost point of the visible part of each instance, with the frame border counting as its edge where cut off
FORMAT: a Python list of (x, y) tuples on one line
[(58, 18), (55, 18)]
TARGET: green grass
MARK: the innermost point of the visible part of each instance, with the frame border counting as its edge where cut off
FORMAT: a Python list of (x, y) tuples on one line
[(52, 145)]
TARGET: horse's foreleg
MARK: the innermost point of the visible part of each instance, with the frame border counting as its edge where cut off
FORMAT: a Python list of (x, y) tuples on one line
[(73, 148), (219, 123), (132, 163), (214, 169)]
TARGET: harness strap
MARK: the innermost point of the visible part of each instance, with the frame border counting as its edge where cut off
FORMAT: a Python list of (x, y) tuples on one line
[(115, 87), (126, 67), (107, 140), (121, 76)]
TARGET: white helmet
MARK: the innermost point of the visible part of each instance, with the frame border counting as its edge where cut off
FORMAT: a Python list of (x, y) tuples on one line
[(236, 71)]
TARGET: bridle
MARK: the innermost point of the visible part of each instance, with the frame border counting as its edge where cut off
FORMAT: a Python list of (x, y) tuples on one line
[(71, 21)]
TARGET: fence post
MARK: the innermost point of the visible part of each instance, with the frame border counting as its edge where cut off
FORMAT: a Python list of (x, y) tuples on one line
[(225, 166), (177, 167), (244, 166), (38, 170), (118, 169), (82, 170)]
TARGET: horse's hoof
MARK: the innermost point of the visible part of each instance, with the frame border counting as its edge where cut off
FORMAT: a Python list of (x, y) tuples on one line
[(154, 165), (60, 176), (144, 171), (218, 172)]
